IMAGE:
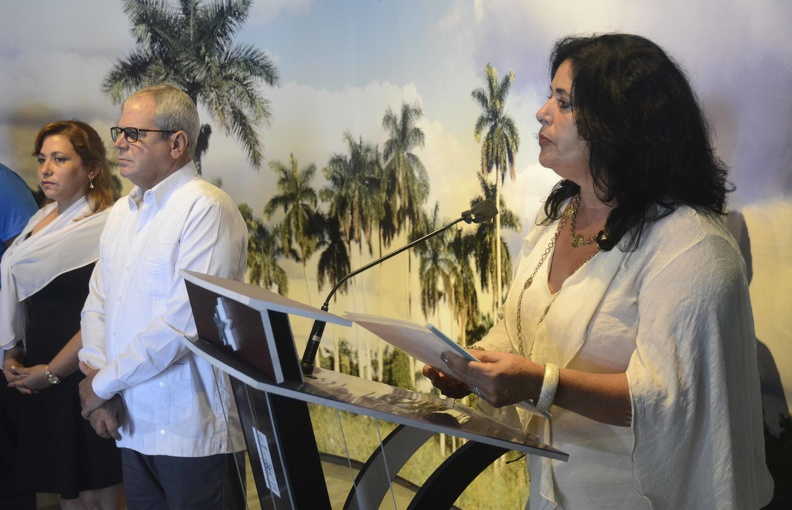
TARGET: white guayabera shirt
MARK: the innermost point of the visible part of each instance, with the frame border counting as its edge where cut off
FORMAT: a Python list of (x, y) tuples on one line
[(675, 316), (176, 403)]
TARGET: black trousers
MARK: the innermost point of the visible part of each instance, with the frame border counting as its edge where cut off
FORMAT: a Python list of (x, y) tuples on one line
[(161, 482)]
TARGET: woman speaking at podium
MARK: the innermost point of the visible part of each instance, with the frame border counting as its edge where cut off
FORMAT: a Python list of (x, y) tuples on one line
[(629, 317)]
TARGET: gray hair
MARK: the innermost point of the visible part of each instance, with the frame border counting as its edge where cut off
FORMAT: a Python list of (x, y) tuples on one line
[(174, 111)]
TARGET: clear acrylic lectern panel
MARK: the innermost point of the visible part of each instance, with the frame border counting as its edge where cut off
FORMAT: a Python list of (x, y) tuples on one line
[(244, 331)]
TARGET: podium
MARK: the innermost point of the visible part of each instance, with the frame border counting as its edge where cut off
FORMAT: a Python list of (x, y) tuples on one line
[(244, 331)]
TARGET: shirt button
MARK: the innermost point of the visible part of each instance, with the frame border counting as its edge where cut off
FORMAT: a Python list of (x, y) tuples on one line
[(162, 432)]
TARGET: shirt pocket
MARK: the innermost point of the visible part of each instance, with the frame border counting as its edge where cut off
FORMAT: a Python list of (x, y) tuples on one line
[(157, 267)]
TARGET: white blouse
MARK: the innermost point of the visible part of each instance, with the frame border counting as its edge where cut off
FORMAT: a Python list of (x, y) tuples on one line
[(675, 316)]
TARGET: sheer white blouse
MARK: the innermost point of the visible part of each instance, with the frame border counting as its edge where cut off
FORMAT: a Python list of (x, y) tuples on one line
[(675, 316)]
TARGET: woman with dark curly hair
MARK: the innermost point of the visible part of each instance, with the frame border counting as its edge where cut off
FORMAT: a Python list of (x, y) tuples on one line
[(629, 318)]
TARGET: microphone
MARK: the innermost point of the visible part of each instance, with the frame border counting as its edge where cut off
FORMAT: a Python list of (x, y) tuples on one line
[(479, 213)]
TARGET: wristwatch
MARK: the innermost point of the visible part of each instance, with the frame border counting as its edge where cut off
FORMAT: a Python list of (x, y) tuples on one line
[(51, 378)]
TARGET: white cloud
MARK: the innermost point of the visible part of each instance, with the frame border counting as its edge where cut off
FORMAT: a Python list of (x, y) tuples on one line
[(310, 123), (736, 54), (90, 27), (452, 166), (263, 12)]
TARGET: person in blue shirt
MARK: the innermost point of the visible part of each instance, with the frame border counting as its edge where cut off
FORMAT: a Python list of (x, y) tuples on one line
[(16, 206)]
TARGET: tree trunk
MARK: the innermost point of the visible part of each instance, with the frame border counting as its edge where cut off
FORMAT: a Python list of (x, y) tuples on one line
[(409, 285), (307, 287), (497, 293), (380, 360)]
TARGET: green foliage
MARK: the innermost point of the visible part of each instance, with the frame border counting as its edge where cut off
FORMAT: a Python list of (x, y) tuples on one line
[(353, 190), (501, 140), (479, 327), (435, 263), (333, 262), (297, 200), (326, 358), (484, 239), (396, 369), (263, 253), (348, 359), (191, 46), (406, 183)]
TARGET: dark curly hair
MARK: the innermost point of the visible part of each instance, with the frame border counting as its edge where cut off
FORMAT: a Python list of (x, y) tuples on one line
[(649, 144)]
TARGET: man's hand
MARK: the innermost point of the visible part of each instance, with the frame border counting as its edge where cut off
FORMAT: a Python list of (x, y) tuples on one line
[(107, 418), (87, 369), (88, 399)]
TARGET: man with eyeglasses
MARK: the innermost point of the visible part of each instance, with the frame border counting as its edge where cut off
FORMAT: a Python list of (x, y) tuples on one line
[(179, 426)]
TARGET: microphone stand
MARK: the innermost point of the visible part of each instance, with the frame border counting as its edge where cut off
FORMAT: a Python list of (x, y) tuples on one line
[(483, 212)]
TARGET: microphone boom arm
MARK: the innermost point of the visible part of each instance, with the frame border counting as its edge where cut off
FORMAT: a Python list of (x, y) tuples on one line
[(384, 258), (477, 214)]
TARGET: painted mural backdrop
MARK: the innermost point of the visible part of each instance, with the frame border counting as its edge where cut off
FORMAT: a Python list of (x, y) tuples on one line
[(344, 129)]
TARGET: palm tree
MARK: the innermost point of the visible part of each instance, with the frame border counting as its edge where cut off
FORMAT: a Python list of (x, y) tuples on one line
[(334, 258), (435, 264), (464, 302), (192, 47), (297, 200), (263, 253), (499, 147), (353, 199), (406, 183), (489, 269), (354, 183)]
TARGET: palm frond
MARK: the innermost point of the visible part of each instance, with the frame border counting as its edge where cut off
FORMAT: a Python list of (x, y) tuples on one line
[(242, 129), (219, 21), (127, 75)]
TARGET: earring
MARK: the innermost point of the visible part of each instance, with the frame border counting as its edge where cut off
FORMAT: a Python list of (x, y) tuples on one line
[(90, 183)]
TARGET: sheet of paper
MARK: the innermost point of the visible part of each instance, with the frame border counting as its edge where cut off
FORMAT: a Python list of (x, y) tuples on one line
[(425, 343), (418, 341)]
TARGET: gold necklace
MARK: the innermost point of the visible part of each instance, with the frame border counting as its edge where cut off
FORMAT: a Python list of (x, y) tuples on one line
[(569, 212), (550, 247), (577, 239)]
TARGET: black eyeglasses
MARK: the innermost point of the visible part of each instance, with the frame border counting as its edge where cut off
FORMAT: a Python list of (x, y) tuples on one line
[(132, 134)]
